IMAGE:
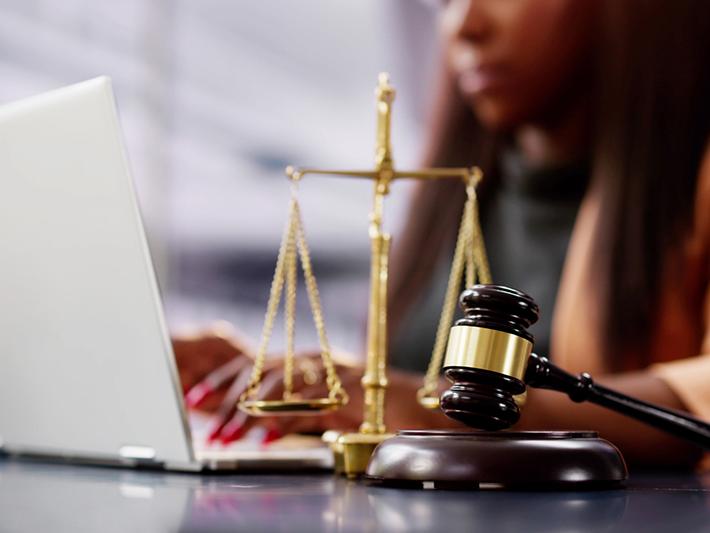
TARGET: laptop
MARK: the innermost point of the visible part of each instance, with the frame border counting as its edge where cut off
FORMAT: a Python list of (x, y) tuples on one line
[(87, 371)]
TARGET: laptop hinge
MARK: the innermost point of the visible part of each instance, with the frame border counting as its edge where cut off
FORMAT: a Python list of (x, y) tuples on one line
[(140, 454)]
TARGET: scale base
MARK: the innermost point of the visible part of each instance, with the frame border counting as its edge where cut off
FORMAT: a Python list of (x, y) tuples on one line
[(352, 451), (543, 460)]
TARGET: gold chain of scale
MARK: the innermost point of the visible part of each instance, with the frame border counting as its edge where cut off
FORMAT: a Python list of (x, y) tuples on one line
[(470, 260), (470, 263), (293, 246)]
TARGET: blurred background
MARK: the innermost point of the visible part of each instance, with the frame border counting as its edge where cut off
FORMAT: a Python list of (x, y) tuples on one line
[(216, 97)]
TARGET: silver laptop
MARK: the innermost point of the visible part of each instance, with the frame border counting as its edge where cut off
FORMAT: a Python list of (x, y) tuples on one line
[(86, 365)]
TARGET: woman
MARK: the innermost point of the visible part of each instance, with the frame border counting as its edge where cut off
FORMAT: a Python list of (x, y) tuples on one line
[(591, 120)]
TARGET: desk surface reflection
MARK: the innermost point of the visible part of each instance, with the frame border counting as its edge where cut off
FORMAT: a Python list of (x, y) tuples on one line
[(39, 496)]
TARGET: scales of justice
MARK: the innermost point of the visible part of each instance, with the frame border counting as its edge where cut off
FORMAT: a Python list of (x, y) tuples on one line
[(486, 355)]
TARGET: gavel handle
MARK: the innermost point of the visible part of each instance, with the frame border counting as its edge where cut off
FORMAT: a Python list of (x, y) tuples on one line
[(542, 374)]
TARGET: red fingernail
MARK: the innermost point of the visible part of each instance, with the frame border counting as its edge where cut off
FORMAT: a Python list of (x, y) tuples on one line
[(213, 435), (231, 432), (197, 394), (270, 436)]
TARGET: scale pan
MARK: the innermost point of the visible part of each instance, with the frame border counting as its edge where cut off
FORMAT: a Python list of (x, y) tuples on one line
[(289, 407)]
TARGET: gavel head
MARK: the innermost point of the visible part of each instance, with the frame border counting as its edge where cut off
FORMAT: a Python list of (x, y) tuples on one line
[(487, 356)]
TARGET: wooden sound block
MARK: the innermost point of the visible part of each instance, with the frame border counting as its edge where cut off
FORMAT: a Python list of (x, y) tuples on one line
[(544, 460)]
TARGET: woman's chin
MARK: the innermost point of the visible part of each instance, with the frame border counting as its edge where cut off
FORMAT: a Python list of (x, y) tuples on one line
[(495, 115)]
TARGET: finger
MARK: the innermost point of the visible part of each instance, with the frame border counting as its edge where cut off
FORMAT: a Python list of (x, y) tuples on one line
[(228, 409), (308, 382), (188, 364), (199, 392), (346, 417), (271, 388), (197, 355), (197, 358), (212, 402), (234, 428), (241, 422), (279, 427), (312, 422), (228, 333)]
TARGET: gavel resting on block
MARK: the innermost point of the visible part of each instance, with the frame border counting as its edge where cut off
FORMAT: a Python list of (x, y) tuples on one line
[(489, 362)]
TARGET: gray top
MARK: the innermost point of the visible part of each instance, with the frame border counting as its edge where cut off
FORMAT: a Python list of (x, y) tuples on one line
[(36, 496), (527, 223)]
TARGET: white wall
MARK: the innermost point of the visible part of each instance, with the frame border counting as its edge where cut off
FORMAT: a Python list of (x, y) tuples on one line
[(216, 97)]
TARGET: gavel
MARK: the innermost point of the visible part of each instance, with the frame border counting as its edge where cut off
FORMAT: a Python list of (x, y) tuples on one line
[(490, 361)]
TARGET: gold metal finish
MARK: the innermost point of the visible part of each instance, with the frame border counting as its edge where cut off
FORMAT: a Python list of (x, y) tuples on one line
[(488, 349), (289, 407), (356, 449), (293, 244), (384, 94), (330, 438), (470, 262), (352, 450), (374, 382)]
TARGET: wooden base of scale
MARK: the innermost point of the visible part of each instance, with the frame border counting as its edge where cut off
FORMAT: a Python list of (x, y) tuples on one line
[(546, 460)]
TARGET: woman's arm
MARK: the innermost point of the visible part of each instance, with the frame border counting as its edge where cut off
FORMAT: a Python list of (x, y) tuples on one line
[(681, 384), (640, 443)]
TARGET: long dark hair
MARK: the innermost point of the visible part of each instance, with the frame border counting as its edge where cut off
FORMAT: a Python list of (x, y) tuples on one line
[(651, 128)]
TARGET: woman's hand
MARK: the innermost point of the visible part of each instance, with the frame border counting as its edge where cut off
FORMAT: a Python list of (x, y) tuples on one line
[(215, 367), (401, 407), (207, 361)]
